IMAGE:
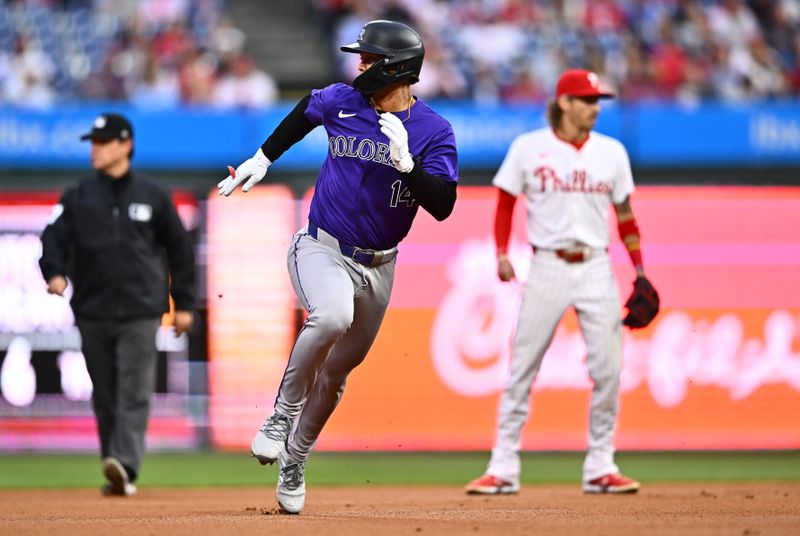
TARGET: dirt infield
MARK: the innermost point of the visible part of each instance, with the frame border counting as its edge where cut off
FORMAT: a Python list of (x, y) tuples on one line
[(725, 509)]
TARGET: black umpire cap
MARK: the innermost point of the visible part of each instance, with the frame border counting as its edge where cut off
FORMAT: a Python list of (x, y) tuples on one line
[(109, 127)]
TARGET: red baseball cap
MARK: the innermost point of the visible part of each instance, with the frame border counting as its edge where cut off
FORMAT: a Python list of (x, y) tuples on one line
[(580, 83)]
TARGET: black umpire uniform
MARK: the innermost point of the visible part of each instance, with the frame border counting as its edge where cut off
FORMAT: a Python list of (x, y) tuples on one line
[(120, 240)]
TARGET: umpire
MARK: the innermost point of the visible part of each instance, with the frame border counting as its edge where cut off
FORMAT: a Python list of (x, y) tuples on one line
[(118, 237)]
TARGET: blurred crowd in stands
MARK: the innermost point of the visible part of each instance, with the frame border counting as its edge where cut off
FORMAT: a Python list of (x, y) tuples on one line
[(154, 53), (159, 53), (514, 50)]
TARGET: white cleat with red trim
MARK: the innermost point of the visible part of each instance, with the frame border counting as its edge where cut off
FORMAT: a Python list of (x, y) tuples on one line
[(611, 483), (491, 485)]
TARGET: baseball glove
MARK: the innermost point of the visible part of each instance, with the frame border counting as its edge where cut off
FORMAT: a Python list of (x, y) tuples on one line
[(642, 305)]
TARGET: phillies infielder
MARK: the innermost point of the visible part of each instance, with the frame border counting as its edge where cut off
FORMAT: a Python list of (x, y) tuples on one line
[(569, 174), (388, 154)]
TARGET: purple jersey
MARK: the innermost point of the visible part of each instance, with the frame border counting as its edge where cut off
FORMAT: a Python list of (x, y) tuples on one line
[(360, 198)]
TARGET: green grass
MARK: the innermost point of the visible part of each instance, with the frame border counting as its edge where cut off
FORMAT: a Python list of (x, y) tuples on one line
[(239, 469)]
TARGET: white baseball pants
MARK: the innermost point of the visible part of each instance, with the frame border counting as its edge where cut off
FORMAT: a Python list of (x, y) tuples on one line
[(553, 286)]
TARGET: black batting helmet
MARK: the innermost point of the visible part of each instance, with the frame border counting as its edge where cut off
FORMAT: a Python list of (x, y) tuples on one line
[(402, 51)]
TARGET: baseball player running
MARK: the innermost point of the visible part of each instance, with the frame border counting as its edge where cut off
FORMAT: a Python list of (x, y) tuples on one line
[(569, 174), (388, 154)]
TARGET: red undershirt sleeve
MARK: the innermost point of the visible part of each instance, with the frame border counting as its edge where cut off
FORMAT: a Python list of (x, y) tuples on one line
[(502, 220)]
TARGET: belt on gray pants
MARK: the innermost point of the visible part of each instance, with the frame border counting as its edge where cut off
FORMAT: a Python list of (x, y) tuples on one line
[(367, 257)]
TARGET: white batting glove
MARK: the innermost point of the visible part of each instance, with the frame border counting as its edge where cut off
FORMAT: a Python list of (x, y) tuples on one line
[(252, 170), (393, 129)]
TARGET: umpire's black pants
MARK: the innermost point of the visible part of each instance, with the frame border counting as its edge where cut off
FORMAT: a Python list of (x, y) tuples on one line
[(121, 360)]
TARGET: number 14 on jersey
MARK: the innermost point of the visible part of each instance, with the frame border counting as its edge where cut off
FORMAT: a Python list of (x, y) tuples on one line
[(401, 194)]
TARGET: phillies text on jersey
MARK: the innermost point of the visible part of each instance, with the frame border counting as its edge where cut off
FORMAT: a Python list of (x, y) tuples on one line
[(568, 189)]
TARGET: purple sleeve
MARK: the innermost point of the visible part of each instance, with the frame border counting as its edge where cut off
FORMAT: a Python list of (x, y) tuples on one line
[(315, 110), (442, 158)]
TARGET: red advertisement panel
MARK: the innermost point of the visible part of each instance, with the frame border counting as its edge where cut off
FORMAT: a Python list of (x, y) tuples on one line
[(251, 308), (718, 369)]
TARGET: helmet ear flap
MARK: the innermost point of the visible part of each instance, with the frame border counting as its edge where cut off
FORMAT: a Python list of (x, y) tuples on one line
[(380, 75), (374, 79), (402, 51)]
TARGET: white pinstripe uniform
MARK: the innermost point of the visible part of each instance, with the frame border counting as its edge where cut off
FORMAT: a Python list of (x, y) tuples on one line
[(568, 191)]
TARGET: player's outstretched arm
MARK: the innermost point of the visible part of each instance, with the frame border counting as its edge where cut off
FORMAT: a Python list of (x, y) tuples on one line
[(292, 129), (251, 170)]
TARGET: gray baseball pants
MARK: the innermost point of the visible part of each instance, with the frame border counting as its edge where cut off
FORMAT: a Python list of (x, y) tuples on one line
[(346, 302), (121, 360)]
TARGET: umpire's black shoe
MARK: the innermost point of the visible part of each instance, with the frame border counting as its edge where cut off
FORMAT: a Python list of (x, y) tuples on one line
[(118, 482)]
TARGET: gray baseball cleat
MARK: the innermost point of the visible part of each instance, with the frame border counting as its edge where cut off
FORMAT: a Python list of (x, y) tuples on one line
[(117, 481), (270, 440), (291, 490)]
